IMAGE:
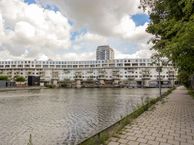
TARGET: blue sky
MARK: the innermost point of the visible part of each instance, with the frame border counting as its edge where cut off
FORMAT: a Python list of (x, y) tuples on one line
[(140, 19), (50, 7), (30, 1)]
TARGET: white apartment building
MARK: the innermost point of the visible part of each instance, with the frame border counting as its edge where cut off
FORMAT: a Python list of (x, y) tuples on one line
[(128, 71), (104, 53)]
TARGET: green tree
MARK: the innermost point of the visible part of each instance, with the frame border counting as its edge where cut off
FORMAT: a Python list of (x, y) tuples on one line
[(172, 24), (20, 79), (4, 78)]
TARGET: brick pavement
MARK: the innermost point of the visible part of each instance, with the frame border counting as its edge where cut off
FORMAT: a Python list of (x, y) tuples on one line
[(171, 122)]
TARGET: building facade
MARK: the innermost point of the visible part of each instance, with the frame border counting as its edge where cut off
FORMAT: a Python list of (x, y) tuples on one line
[(104, 53), (128, 72)]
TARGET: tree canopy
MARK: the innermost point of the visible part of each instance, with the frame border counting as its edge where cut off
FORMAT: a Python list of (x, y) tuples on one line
[(172, 24)]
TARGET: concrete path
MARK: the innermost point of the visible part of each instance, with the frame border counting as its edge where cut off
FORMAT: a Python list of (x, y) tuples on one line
[(170, 122)]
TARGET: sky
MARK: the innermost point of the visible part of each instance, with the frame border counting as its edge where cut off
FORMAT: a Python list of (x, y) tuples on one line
[(72, 29)]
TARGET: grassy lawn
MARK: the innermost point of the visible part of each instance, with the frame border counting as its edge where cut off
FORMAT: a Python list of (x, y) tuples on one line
[(191, 93)]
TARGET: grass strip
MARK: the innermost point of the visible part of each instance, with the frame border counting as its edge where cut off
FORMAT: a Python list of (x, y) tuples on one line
[(191, 92)]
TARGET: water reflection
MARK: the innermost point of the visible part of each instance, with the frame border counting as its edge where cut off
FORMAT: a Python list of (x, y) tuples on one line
[(63, 116)]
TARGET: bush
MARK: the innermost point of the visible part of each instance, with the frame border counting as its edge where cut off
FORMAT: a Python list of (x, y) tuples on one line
[(4, 78), (20, 79)]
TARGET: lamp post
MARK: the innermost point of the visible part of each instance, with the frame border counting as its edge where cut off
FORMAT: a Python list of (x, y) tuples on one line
[(173, 78), (159, 69), (159, 63)]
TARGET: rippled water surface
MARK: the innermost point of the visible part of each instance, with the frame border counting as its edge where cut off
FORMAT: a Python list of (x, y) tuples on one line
[(63, 116)]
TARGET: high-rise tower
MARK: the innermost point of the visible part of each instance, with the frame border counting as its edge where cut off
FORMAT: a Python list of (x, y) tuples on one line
[(104, 53)]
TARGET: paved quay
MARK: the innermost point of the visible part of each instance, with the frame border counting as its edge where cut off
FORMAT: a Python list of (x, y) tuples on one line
[(169, 122), (20, 88)]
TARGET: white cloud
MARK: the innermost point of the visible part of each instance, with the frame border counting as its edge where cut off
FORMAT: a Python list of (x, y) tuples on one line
[(99, 16), (128, 30), (110, 19), (1, 25), (89, 37), (143, 53), (32, 30), (80, 56)]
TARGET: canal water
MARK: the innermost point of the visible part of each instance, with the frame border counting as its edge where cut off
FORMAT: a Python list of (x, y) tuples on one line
[(63, 116)]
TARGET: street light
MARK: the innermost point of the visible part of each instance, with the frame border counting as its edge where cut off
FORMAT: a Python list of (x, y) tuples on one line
[(159, 70), (158, 60)]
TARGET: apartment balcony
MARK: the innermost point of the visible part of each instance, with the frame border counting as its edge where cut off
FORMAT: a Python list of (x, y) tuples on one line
[(134, 64), (161, 78), (77, 73), (131, 71), (115, 70), (102, 71), (90, 71), (112, 65), (29, 73), (105, 65), (102, 74), (171, 72), (55, 75), (171, 78), (116, 77), (127, 64), (91, 77), (146, 77), (55, 78), (20, 66), (66, 71), (145, 71), (131, 78), (42, 78), (45, 66), (78, 77), (102, 77), (89, 80), (58, 66), (115, 73), (38, 66)]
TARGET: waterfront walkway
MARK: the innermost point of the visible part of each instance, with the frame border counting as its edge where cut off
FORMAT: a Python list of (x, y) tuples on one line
[(169, 122), (20, 88)]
